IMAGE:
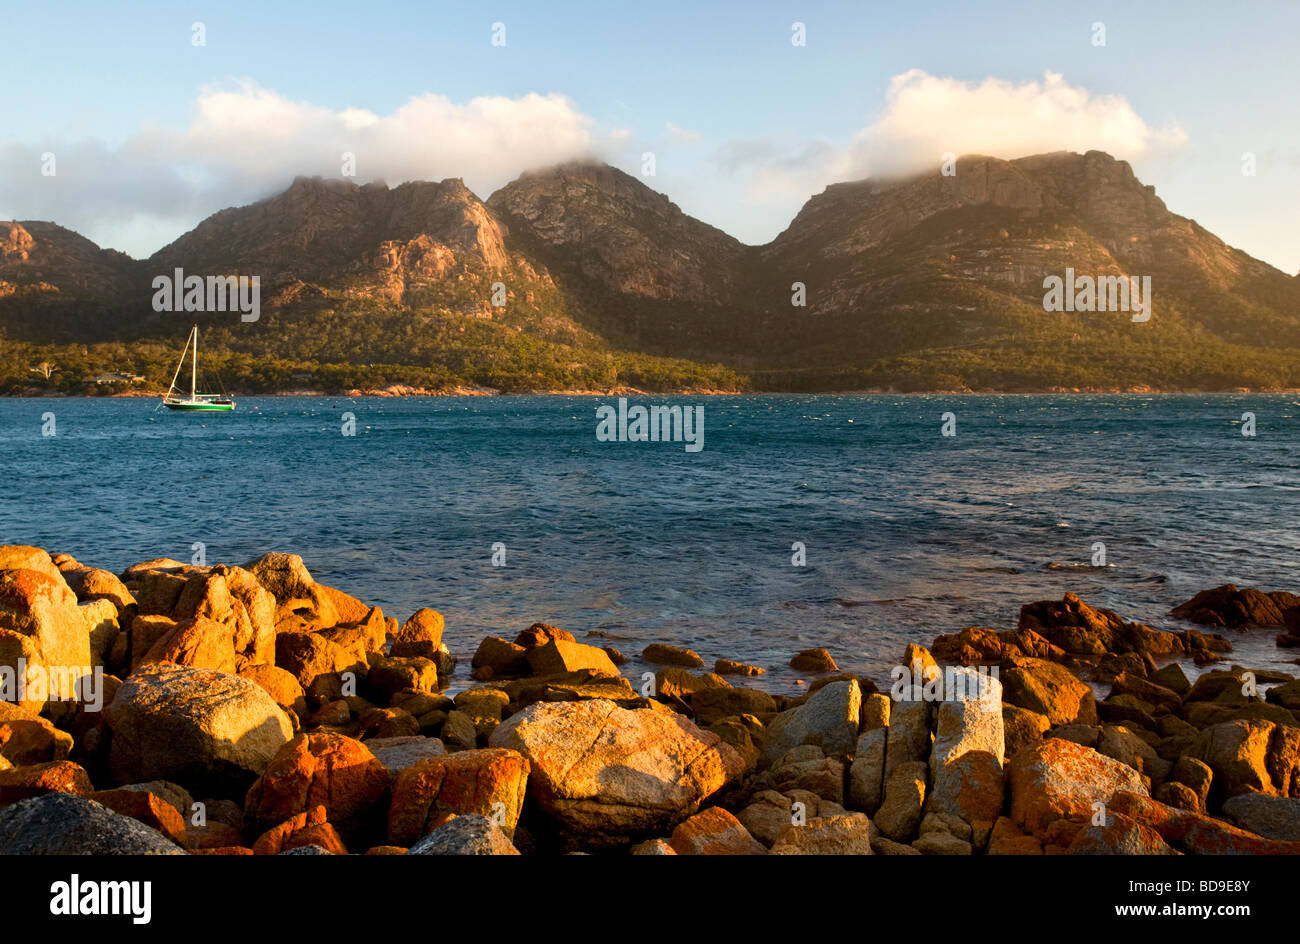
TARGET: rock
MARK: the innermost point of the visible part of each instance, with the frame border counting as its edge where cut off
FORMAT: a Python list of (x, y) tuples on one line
[(197, 642), (459, 731), (769, 813), (900, 813), (62, 824), (829, 719), (1179, 795), (1173, 678), (501, 656), (714, 704), (41, 625), (27, 738), (1126, 747), (147, 808), (714, 832), (1162, 698), (1287, 695), (652, 847), (848, 834), (1268, 816), (882, 846), (194, 727), (389, 675), (280, 685), (605, 774), (284, 575), (969, 718), (1022, 728), (1196, 775), (1251, 757), (969, 787), (316, 663), (1079, 628), (398, 753), (662, 654), (1049, 689), (1055, 784), (732, 667), (421, 635), (874, 712), (348, 608), (815, 661), (60, 776), (310, 828), (324, 769), (470, 834), (539, 634), (101, 621), (26, 557), (1126, 709), (937, 843), (1120, 836), (909, 735), (867, 774), (807, 769), (1007, 839), (559, 656), (427, 794), (1194, 833), (676, 684), (1232, 608)]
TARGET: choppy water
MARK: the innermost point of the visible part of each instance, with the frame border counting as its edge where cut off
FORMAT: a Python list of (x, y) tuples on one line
[(908, 533)]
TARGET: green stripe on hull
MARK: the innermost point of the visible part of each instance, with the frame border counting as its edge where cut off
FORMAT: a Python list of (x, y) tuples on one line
[(201, 407)]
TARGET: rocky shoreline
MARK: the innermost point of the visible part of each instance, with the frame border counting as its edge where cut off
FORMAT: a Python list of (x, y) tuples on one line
[(245, 710)]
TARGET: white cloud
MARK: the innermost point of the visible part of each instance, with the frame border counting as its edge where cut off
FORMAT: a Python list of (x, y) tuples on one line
[(246, 142), (682, 135), (926, 116)]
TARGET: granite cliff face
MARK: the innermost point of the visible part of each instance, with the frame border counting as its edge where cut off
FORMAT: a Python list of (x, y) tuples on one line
[(397, 245), (920, 282), (639, 268)]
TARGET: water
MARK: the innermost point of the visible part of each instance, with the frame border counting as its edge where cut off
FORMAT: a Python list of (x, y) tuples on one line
[(908, 534)]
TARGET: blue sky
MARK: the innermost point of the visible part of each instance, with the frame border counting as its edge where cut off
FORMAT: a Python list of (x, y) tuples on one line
[(151, 132)]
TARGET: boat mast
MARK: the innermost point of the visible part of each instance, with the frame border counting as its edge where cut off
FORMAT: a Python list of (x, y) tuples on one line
[(179, 364), (194, 366)]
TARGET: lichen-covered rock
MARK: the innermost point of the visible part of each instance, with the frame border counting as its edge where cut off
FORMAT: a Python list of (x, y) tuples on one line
[(322, 769), (195, 727), (608, 775), (1055, 785), (714, 832), (490, 782)]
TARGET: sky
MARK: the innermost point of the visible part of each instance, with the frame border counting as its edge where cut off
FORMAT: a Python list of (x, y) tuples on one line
[(150, 131)]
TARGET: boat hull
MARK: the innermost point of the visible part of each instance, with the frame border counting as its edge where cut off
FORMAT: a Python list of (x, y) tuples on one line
[(200, 407)]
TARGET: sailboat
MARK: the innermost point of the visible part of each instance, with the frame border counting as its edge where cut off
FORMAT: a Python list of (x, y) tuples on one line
[(195, 402)]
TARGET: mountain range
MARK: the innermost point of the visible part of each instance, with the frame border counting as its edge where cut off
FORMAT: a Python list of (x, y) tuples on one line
[(930, 282)]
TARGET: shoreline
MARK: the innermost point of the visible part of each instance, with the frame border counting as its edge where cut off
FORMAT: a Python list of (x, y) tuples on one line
[(982, 741), (704, 392)]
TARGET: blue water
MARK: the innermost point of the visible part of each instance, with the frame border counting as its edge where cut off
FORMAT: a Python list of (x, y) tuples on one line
[(908, 533)]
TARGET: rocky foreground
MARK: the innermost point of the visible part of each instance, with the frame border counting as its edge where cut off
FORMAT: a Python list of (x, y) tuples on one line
[(252, 710)]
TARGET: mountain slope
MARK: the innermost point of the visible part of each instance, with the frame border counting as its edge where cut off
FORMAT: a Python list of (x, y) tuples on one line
[(928, 282)]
